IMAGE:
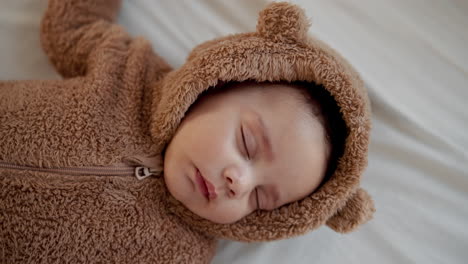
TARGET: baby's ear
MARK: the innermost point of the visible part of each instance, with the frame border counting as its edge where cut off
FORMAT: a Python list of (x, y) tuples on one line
[(357, 210), (283, 22)]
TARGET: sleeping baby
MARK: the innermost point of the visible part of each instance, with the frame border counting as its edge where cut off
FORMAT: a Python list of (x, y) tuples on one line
[(257, 137)]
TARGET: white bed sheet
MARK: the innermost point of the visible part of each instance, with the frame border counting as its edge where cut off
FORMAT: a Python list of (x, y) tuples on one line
[(413, 58)]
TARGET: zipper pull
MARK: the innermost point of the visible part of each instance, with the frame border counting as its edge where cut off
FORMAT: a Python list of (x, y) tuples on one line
[(145, 166), (142, 172)]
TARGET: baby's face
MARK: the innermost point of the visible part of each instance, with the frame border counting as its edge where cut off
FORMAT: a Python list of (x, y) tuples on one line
[(244, 149)]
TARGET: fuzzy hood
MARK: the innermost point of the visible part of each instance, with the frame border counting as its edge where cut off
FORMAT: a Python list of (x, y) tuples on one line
[(279, 50)]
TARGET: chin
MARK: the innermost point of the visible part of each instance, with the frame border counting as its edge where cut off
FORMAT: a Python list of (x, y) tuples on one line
[(219, 218)]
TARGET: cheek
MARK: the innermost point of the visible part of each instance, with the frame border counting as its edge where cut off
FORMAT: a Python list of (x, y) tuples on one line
[(208, 140), (179, 187)]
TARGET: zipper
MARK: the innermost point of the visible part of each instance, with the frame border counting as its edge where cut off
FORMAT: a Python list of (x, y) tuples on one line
[(139, 172)]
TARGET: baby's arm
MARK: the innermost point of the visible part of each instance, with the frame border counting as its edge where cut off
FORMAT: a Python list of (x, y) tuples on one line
[(73, 29)]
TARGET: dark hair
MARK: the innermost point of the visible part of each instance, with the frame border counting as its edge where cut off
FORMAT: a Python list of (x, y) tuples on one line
[(325, 108)]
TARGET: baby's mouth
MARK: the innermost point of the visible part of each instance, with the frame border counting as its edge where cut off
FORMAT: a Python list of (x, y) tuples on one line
[(206, 187)]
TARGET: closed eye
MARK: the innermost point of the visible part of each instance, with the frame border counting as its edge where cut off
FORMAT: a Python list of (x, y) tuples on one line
[(245, 144), (256, 197)]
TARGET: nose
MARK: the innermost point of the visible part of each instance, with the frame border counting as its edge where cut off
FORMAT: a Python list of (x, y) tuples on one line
[(236, 182)]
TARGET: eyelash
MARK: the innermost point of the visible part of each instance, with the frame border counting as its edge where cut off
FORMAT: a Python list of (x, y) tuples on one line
[(245, 145), (256, 197), (248, 157)]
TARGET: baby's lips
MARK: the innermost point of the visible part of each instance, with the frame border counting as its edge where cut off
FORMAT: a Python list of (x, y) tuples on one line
[(211, 189), (212, 195)]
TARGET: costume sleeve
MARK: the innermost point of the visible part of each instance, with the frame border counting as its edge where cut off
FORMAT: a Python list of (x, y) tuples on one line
[(72, 29)]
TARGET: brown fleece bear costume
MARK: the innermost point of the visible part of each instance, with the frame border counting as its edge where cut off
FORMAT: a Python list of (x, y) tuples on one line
[(68, 148)]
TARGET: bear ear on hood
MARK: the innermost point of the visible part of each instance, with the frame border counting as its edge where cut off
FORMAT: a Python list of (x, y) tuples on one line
[(283, 22), (357, 210)]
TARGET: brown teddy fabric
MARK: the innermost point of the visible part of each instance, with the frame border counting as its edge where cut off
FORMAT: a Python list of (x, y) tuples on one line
[(118, 107)]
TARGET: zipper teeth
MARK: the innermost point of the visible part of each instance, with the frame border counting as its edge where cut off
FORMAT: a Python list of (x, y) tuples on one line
[(102, 171)]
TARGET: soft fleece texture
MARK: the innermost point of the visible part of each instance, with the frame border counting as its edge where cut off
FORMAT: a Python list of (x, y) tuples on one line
[(119, 99)]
